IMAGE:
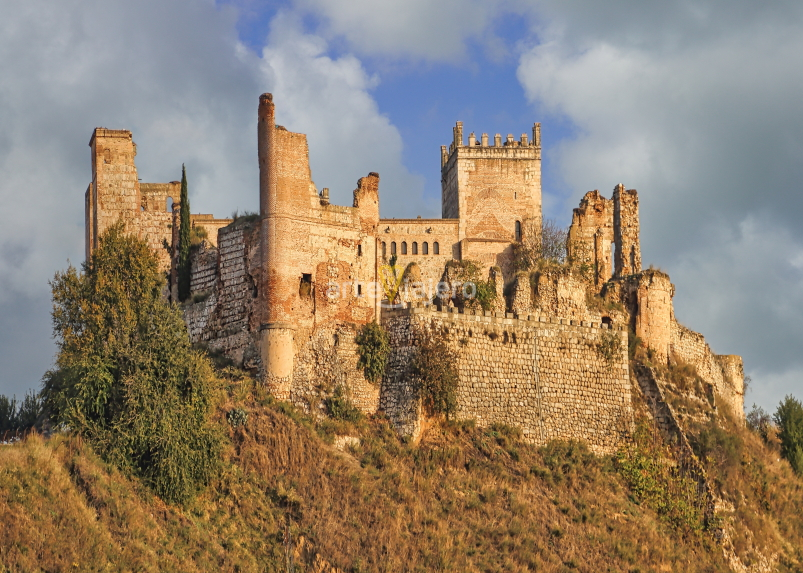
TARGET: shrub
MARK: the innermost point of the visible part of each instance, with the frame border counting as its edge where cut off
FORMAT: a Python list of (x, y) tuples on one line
[(547, 243), (339, 407), (609, 346), (789, 419), (237, 417), (759, 421), (658, 484), (126, 377), (373, 347), (433, 365), (467, 271)]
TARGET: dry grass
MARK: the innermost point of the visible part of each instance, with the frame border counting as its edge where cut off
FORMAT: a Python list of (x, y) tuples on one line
[(465, 499)]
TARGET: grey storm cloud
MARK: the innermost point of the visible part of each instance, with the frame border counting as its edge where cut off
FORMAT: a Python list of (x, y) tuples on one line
[(697, 106), (176, 75)]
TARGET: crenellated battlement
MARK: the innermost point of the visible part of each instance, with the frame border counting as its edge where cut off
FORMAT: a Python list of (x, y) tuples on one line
[(525, 147)]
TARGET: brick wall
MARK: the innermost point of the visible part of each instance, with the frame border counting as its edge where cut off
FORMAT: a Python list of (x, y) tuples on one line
[(546, 376)]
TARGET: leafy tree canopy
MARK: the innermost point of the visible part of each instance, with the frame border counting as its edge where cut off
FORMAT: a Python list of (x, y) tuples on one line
[(789, 419), (126, 377)]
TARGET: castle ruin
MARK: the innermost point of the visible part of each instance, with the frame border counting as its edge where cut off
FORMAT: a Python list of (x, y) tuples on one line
[(284, 293)]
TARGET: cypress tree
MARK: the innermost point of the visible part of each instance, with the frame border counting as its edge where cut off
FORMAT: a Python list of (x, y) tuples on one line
[(184, 241)]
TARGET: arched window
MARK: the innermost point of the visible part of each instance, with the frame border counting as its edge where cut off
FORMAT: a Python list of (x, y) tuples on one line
[(393, 248), (384, 249), (425, 248), (415, 248), (169, 205), (404, 248), (436, 249), (518, 231)]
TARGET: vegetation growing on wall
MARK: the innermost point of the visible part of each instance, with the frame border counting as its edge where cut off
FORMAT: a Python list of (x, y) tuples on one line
[(609, 346), (539, 245), (126, 377), (481, 295), (434, 366), (373, 346)]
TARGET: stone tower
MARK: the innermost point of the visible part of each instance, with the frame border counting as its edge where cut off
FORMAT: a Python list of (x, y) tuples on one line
[(494, 189), (114, 192)]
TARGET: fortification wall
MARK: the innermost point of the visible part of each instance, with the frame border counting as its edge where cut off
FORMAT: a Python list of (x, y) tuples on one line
[(226, 319), (544, 375), (725, 372), (326, 358)]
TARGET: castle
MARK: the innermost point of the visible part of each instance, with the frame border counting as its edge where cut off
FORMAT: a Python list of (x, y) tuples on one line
[(285, 292)]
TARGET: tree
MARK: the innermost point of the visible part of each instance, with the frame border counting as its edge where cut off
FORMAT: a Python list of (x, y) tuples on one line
[(789, 419), (434, 366), (184, 241), (546, 243), (373, 346), (126, 377)]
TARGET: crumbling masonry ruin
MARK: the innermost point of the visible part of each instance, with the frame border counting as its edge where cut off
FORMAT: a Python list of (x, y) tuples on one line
[(263, 295)]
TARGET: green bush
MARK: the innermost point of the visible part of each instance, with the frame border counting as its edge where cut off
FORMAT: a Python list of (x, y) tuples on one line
[(433, 365), (644, 464), (339, 407), (373, 347), (789, 419), (126, 377), (609, 346)]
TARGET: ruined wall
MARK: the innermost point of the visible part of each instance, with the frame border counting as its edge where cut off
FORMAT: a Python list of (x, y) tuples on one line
[(327, 358), (114, 192), (626, 231), (724, 372), (561, 292), (591, 235), (546, 376), (225, 280), (490, 188)]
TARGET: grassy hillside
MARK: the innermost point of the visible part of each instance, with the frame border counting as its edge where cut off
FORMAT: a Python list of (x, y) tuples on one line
[(465, 499)]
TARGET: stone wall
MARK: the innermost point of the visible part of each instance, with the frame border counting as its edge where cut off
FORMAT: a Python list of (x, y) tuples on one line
[(408, 237), (544, 375), (225, 319), (724, 372)]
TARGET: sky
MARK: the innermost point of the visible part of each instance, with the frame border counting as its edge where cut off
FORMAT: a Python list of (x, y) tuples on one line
[(697, 105)]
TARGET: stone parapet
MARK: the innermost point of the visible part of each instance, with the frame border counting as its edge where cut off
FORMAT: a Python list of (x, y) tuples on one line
[(546, 375)]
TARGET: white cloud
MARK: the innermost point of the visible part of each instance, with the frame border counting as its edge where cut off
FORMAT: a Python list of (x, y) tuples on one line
[(697, 108), (415, 29), (176, 75), (329, 100)]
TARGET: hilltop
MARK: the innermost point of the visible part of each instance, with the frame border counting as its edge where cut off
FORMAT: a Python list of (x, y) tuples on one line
[(351, 495)]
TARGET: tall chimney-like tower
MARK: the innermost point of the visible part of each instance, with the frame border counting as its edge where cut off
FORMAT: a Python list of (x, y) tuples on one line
[(276, 343)]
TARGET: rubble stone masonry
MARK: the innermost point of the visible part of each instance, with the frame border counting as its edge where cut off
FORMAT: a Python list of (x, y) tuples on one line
[(542, 374)]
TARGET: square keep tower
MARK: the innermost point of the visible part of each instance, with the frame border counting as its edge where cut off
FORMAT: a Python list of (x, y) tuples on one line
[(494, 189)]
